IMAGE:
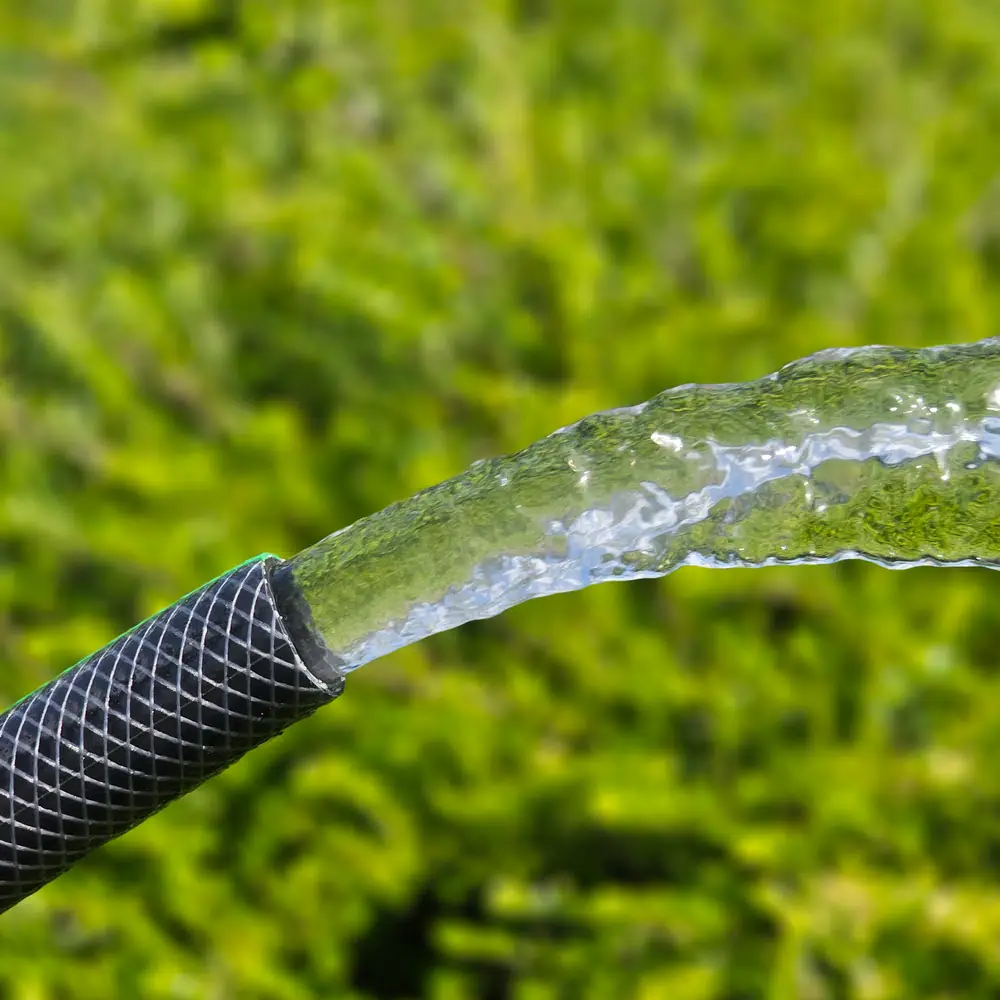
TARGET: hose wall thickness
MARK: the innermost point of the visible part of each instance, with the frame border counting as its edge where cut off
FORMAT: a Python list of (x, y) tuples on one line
[(147, 719)]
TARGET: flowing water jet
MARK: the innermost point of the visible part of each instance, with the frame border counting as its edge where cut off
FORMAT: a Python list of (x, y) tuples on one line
[(875, 453)]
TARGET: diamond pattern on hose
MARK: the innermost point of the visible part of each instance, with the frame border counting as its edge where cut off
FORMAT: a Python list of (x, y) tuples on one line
[(143, 721)]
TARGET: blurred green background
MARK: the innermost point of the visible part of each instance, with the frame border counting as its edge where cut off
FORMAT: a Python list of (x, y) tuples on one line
[(268, 266)]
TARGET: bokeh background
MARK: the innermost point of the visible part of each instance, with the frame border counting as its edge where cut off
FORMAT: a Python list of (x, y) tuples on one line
[(267, 266)]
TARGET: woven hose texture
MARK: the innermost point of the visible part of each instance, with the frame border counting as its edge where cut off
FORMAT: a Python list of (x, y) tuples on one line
[(149, 717)]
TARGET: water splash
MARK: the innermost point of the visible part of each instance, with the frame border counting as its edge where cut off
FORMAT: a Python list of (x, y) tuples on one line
[(882, 454)]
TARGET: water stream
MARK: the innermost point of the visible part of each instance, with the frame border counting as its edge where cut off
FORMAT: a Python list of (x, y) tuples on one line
[(875, 453)]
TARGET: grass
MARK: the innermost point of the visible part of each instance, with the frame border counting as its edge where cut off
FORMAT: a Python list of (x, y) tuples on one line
[(266, 268)]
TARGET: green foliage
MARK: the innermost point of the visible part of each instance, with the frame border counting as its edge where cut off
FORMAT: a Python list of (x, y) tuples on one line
[(269, 265)]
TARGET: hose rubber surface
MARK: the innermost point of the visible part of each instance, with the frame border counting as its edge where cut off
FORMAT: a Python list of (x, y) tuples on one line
[(148, 718)]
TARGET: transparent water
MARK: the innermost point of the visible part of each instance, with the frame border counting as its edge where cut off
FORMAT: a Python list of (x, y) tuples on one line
[(877, 453)]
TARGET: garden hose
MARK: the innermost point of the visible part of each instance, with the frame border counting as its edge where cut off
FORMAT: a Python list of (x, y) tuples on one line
[(129, 729)]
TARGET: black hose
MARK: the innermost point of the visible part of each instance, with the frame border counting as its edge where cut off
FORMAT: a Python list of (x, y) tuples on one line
[(150, 717)]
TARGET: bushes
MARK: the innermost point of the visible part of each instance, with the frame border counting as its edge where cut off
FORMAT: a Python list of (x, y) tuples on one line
[(267, 267)]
